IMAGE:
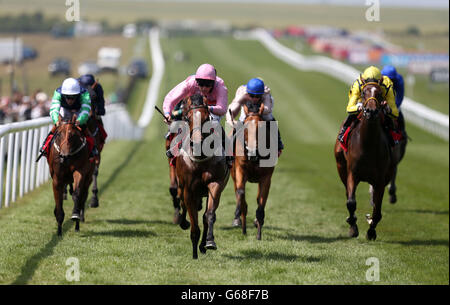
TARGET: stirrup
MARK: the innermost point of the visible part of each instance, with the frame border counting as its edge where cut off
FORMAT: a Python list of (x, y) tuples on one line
[(169, 154)]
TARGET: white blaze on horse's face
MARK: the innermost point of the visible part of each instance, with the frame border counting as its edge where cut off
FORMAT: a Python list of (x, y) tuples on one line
[(252, 137)]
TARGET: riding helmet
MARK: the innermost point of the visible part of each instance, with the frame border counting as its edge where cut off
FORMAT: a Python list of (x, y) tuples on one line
[(390, 72), (70, 86), (255, 86), (87, 80), (372, 72), (206, 71)]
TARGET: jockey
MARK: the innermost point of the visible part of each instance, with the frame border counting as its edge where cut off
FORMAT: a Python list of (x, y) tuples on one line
[(399, 89), (71, 99), (256, 92), (95, 90), (204, 82), (371, 74)]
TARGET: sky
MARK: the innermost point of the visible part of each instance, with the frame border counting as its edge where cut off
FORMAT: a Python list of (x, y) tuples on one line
[(386, 3)]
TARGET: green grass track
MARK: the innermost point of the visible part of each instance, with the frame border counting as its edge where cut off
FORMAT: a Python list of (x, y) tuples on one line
[(130, 239)]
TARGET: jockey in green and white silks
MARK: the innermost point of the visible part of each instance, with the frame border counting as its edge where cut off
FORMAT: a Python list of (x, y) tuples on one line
[(70, 99)]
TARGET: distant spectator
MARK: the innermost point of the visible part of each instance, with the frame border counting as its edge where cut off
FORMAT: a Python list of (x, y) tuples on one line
[(41, 107)]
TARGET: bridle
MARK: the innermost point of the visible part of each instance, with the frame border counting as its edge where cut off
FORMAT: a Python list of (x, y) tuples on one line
[(369, 112), (64, 157), (187, 117)]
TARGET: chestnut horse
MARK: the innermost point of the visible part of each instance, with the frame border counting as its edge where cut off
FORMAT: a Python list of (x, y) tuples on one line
[(369, 158), (247, 169), (68, 162), (198, 177)]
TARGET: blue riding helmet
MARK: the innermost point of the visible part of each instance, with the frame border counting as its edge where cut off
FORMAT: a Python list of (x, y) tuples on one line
[(86, 80), (255, 86), (390, 72)]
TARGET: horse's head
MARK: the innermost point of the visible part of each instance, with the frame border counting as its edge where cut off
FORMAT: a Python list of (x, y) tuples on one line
[(196, 113), (69, 139), (372, 97), (253, 117)]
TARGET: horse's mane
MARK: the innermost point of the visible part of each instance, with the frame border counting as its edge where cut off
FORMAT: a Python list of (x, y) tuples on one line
[(253, 107), (197, 100)]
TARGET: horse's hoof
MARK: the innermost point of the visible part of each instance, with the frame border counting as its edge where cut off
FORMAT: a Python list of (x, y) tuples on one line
[(94, 203), (371, 234), (211, 245), (82, 216), (59, 231), (75, 216), (393, 199), (236, 223), (176, 217), (353, 232), (202, 249), (255, 222), (184, 224)]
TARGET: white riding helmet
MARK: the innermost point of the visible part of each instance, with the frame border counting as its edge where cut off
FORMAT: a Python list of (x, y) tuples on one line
[(70, 86)]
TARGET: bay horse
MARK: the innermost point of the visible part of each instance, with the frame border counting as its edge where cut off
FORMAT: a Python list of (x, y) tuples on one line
[(69, 164), (198, 177), (173, 187), (247, 169), (95, 126), (369, 158)]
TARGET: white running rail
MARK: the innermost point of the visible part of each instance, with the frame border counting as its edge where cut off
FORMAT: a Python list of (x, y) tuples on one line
[(20, 143), (155, 81), (418, 114)]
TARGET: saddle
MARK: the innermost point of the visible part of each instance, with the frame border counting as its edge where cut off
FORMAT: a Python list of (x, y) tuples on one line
[(394, 136)]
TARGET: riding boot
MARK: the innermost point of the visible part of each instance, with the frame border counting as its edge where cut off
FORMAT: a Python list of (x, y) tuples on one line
[(348, 121), (280, 142), (94, 153), (51, 133), (228, 158)]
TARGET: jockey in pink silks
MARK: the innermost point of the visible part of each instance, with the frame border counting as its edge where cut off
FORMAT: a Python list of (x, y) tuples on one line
[(204, 82)]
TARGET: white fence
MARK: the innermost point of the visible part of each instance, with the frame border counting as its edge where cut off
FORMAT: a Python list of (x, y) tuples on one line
[(19, 148), (416, 113)]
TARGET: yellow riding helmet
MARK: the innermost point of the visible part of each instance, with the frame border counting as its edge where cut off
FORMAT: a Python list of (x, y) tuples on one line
[(371, 73)]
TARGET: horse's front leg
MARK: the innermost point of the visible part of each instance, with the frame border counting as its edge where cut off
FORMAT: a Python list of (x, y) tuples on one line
[(58, 193), (174, 194), (215, 190), (193, 215), (263, 194), (351, 185), (393, 188), (378, 193), (76, 212), (240, 214), (94, 199)]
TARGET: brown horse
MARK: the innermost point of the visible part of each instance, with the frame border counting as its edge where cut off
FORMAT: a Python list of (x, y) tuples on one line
[(401, 153), (93, 125), (246, 168), (199, 176), (68, 162), (173, 188), (369, 158)]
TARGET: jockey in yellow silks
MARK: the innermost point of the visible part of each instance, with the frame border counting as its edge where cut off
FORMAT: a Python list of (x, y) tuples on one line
[(371, 74)]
